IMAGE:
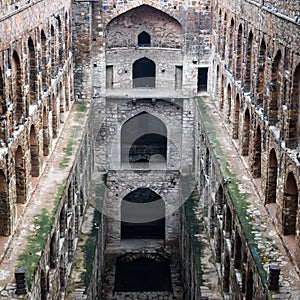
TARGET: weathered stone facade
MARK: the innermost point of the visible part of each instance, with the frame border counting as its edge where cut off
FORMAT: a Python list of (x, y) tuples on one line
[(192, 105)]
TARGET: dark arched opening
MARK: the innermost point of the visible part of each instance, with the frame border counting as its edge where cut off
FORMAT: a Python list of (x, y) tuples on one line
[(144, 139), (143, 274), (290, 206), (142, 215), (271, 178), (144, 39), (4, 206), (144, 73), (246, 133), (20, 173), (34, 153)]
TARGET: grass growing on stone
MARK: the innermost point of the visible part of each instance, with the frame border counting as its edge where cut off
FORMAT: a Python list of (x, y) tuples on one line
[(68, 150), (89, 249), (30, 257), (238, 199), (81, 106)]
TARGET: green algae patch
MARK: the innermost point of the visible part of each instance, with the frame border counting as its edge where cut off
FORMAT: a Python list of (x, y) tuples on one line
[(41, 228)]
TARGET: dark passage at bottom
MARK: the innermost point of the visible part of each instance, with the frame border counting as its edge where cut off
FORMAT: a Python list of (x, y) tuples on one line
[(143, 275)]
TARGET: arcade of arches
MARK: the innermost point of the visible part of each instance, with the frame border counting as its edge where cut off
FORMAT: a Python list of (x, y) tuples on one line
[(149, 149)]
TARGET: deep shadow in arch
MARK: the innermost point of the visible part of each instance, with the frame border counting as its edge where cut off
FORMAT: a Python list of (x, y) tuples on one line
[(142, 215), (136, 273), (144, 73), (144, 39), (144, 139)]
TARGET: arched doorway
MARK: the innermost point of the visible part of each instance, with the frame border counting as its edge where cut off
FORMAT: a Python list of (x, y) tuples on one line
[(142, 215), (144, 73), (292, 138), (144, 139), (271, 178), (256, 163), (20, 173), (34, 153), (236, 118), (246, 133), (290, 206)]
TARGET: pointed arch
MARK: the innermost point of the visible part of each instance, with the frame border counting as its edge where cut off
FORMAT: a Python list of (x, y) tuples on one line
[(231, 44), (54, 116), (261, 74), (236, 118), (20, 174), (19, 107), (290, 205), (116, 31), (246, 133), (33, 94), (292, 138), (34, 153), (46, 136), (223, 37), (143, 138), (44, 61), (271, 185), (228, 105), (144, 73), (66, 34), (142, 215), (219, 200), (256, 164), (239, 55), (53, 50), (221, 104), (274, 89), (144, 39), (248, 70), (60, 42)]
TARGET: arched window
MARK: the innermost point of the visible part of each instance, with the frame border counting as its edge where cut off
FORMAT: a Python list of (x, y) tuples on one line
[(144, 39), (290, 206), (143, 73)]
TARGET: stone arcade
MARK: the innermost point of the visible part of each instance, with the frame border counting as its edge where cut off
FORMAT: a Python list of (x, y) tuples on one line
[(149, 149)]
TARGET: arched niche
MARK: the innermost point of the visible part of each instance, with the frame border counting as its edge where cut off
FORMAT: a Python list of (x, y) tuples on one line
[(142, 215), (144, 139)]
